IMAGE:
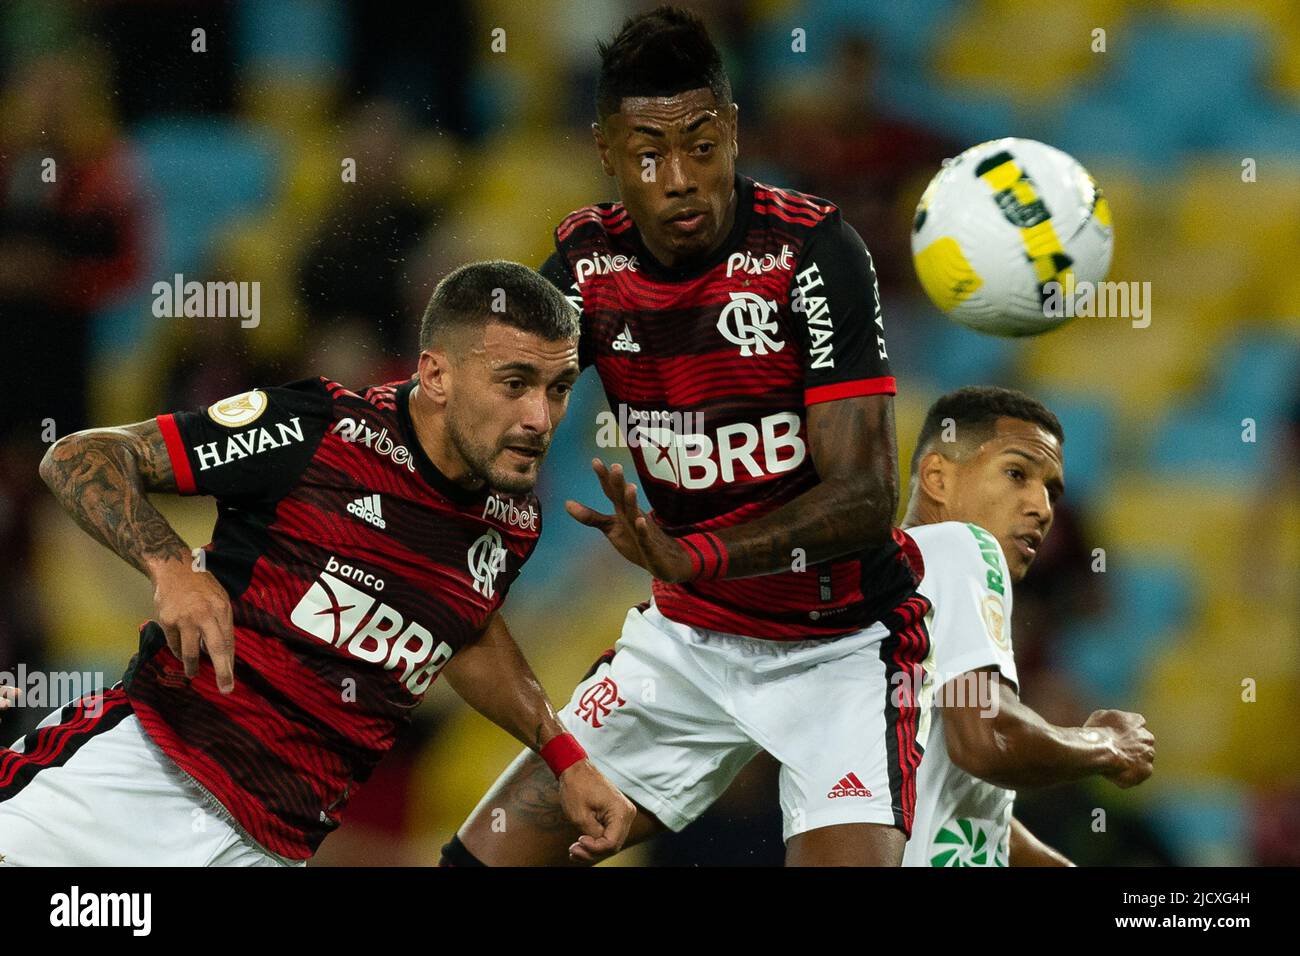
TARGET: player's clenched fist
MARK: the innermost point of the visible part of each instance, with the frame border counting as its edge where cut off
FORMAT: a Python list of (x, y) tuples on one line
[(194, 612), (598, 809), (1134, 746)]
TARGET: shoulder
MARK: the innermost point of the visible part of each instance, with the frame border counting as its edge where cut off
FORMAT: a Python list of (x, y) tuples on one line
[(792, 206), (594, 222), (955, 549)]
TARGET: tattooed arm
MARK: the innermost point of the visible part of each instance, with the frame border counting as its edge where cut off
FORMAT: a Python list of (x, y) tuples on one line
[(851, 508), (102, 477), (492, 676)]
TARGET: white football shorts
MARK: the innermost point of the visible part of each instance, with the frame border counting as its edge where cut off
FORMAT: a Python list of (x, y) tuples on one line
[(88, 787), (674, 712)]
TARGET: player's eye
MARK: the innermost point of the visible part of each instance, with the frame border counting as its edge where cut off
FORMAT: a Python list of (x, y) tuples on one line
[(704, 148), (515, 384), (562, 389), (648, 155), (1016, 474)]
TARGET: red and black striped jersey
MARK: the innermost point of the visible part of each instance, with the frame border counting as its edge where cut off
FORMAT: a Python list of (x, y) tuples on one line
[(709, 371), (356, 570)]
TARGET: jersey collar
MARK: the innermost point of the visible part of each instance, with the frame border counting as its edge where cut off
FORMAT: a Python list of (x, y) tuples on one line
[(423, 464), (739, 227)]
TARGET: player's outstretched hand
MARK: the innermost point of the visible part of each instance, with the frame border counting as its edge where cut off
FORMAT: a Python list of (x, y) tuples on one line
[(1134, 745), (597, 808), (194, 612), (630, 531), (8, 697)]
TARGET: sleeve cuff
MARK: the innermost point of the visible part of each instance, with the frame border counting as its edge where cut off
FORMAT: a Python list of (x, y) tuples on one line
[(171, 434), (884, 385)]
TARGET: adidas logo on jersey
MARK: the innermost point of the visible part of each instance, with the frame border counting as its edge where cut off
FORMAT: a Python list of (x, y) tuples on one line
[(623, 342), (367, 509), (849, 786)]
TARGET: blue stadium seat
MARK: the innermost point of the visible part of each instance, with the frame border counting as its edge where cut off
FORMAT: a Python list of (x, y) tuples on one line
[(1109, 655), (298, 35), (1203, 825), (1089, 427), (203, 173), (1256, 379), (923, 345)]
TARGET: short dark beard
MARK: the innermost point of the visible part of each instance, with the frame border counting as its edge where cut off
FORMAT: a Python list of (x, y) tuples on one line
[(480, 464)]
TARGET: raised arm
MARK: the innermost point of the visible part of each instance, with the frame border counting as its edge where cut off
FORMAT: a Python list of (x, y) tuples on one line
[(1011, 746), (492, 676), (102, 477)]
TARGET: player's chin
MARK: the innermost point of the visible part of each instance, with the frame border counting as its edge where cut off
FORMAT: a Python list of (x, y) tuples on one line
[(515, 473)]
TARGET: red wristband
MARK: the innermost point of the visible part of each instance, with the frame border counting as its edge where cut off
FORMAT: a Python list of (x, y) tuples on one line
[(561, 752), (707, 553)]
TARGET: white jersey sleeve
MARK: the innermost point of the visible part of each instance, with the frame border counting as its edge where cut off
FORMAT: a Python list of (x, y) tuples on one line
[(966, 580)]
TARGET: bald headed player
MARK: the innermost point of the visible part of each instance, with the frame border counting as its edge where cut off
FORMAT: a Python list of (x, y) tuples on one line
[(737, 328), (364, 544), (986, 475)]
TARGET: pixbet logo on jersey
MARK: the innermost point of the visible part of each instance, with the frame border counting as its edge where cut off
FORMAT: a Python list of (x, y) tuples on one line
[(774, 447), (749, 321), (749, 264), (370, 630), (507, 512), (351, 430), (599, 265)]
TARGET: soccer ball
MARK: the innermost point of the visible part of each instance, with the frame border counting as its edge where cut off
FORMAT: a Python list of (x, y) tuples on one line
[(1006, 232)]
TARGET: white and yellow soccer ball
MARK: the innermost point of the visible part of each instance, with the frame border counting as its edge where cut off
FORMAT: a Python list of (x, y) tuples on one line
[(1006, 231)]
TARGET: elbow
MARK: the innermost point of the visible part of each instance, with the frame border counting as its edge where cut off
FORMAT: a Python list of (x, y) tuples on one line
[(49, 467), (874, 505)]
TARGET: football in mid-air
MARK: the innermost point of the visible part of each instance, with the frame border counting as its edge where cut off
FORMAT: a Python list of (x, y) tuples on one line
[(1006, 232)]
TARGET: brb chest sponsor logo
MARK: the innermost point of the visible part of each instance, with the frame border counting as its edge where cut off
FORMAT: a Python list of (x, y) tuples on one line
[(698, 461), (355, 621), (749, 321), (351, 430)]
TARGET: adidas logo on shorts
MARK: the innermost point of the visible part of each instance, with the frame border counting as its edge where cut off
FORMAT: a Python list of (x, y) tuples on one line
[(623, 342), (849, 786), (367, 509)]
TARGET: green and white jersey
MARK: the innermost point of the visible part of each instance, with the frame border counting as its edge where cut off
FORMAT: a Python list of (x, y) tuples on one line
[(961, 820)]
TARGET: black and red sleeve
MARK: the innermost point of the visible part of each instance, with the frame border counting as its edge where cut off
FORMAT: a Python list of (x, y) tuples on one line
[(250, 446), (556, 270), (837, 306)]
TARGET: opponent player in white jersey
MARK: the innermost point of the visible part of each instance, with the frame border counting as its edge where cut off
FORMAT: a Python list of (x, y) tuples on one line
[(985, 477)]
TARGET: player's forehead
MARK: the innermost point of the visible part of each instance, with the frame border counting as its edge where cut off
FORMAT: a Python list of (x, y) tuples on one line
[(682, 112), (506, 346), (1024, 439)]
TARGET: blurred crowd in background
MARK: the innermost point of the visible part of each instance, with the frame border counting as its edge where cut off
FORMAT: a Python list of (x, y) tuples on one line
[(225, 164)]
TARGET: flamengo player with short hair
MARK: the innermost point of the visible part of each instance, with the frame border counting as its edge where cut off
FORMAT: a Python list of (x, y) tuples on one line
[(981, 504), (782, 603), (364, 544)]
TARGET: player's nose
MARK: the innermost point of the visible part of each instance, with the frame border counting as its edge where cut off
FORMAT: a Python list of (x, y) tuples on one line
[(677, 179)]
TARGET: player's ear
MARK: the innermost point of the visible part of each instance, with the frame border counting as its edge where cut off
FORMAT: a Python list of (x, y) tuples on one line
[(935, 474), (435, 375), (602, 147)]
